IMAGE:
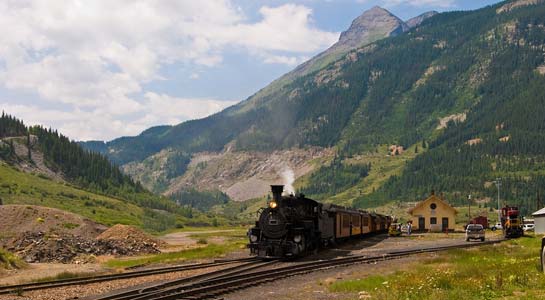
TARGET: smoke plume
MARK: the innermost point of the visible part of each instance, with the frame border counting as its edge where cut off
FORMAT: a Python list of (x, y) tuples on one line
[(288, 178)]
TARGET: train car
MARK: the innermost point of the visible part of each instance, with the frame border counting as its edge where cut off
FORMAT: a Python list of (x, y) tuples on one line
[(294, 226), (366, 223)]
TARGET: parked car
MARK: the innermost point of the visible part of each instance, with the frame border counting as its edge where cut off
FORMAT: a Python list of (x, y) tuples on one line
[(496, 226), (475, 232), (528, 227)]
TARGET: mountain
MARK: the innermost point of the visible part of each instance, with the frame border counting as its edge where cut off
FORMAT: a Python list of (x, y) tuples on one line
[(267, 121), (459, 97), (374, 24)]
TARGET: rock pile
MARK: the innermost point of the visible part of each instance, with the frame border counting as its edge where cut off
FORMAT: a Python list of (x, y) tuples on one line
[(40, 247)]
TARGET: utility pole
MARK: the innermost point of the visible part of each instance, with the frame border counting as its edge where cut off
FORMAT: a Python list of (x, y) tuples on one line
[(498, 185), (469, 208)]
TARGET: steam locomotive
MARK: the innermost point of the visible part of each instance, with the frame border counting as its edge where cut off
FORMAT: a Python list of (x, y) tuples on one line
[(294, 225)]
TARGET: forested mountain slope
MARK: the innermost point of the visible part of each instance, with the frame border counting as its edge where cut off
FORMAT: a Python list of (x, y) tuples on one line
[(493, 74)]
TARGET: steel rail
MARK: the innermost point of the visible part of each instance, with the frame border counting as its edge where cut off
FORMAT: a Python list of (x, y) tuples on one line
[(223, 273)]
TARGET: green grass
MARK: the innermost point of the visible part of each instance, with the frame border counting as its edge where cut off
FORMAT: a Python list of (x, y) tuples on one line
[(10, 261), (208, 251), (65, 275), (510, 270), (231, 233), (234, 238)]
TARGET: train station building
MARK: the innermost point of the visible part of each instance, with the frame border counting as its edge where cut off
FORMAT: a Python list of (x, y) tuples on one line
[(433, 214)]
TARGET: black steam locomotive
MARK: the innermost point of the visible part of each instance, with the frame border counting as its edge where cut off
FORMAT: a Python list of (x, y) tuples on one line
[(296, 226)]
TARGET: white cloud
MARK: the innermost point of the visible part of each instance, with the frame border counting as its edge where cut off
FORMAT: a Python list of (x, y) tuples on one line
[(96, 59), (160, 110), (175, 110), (285, 60), (416, 3)]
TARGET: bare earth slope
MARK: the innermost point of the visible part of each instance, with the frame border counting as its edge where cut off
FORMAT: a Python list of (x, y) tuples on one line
[(17, 219)]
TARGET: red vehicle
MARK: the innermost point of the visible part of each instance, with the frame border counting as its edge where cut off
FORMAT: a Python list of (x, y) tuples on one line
[(480, 220)]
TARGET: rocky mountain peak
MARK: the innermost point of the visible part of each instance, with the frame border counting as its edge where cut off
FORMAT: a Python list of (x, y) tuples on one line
[(416, 21), (373, 22)]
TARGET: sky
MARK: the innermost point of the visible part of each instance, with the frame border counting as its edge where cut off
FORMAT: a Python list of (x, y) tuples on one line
[(101, 69)]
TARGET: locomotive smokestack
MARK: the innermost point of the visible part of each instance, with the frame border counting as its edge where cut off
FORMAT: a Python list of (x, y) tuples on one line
[(277, 192)]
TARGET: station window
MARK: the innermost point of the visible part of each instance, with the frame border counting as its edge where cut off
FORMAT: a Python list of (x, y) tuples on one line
[(433, 206), (433, 220)]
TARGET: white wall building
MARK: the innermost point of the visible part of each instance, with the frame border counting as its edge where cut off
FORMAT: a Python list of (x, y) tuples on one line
[(539, 221)]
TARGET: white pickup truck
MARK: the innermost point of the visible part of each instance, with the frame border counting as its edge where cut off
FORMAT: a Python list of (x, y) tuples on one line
[(475, 232)]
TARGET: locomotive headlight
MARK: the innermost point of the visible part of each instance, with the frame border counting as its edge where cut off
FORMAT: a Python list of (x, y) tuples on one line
[(273, 204), (297, 238), (253, 238)]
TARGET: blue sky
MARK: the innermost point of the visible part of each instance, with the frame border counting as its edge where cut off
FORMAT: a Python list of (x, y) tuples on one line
[(103, 69)]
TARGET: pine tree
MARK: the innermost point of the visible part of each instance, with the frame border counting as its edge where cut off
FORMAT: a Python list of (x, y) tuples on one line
[(28, 146)]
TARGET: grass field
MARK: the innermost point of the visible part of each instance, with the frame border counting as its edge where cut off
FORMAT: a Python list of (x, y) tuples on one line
[(232, 241), (510, 270)]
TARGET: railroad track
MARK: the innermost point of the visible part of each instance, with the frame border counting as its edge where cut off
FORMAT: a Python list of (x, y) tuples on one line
[(137, 293), (214, 286), (18, 288)]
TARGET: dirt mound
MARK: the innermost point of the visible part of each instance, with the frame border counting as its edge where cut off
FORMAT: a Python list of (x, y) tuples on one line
[(18, 219)]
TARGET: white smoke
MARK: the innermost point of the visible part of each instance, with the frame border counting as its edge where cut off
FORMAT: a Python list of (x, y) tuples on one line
[(288, 177)]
